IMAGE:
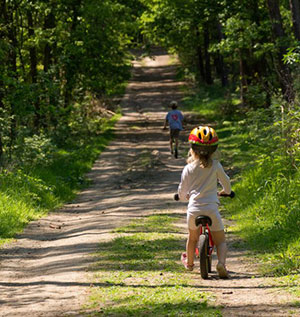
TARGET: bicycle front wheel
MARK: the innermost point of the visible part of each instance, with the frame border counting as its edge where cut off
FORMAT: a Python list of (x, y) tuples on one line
[(204, 259)]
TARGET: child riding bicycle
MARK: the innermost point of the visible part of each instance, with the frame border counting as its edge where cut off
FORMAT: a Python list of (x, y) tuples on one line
[(199, 186), (174, 118)]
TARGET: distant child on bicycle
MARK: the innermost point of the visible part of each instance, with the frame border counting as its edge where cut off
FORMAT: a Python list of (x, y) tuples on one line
[(199, 186), (174, 118)]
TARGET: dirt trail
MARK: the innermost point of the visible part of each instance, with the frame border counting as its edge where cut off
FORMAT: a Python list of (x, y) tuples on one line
[(44, 273)]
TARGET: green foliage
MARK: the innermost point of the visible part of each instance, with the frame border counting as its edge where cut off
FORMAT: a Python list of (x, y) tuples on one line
[(209, 100), (57, 59), (34, 151), (267, 204), (158, 223), (173, 24), (260, 150), (30, 193), (231, 41), (267, 212), (154, 282), (14, 215), (293, 55)]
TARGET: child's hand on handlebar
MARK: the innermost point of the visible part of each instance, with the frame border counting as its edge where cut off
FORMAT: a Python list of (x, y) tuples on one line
[(176, 197), (222, 193)]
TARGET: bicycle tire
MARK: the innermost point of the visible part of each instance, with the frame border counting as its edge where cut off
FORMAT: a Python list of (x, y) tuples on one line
[(204, 259), (209, 263)]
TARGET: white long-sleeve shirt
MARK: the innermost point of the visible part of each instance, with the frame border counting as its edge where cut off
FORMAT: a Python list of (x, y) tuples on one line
[(200, 184)]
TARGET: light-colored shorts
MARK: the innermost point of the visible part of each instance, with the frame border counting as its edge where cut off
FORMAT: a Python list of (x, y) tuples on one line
[(217, 223)]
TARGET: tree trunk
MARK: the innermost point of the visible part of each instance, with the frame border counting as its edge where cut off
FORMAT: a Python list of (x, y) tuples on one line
[(1, 107), (278, 34), (2, 38), (48, 24), (275, 17), (199, 62), (220, 61), (20, 48), (243, 79), (32, 50), (295, 9), (208, 77), (70, 75), (10, 35), (33, 70)]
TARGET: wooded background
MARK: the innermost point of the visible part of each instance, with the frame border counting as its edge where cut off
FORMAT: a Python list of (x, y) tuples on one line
[(59, 56)]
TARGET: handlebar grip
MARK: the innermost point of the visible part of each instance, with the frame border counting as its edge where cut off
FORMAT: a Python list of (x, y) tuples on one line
[(231, 195), (176, 197)]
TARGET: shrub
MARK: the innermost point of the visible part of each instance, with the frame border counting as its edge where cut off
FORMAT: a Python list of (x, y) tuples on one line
[(35, 150)]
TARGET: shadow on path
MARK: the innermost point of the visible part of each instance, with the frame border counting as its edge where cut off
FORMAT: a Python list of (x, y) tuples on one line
[(45, 269)]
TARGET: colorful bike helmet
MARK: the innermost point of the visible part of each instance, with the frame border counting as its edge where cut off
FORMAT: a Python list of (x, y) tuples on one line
[(204, 139)]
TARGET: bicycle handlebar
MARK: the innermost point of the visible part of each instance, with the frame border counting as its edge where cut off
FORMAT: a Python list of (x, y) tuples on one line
[(231, 195), (176, 197)]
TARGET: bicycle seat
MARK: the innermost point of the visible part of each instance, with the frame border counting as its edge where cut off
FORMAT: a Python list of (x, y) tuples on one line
[(203, 220)]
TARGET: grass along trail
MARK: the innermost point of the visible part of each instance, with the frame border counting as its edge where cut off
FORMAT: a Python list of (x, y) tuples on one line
[(44, 273), (115, 250)]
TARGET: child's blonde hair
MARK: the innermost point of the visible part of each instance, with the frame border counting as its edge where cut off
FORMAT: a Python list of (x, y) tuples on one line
[(204, 159)]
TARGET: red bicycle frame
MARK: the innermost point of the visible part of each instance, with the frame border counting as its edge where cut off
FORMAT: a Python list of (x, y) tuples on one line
[(211, 242)]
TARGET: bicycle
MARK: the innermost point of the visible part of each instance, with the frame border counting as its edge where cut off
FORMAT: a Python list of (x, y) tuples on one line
[(205, 242)]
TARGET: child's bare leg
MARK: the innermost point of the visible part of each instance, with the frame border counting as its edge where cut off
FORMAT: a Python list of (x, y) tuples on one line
[(220, 242), (191, 245), (176, 147), (176, 143), (171, 145)]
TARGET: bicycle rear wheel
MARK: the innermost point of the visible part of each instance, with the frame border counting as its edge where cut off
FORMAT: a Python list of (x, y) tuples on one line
[(204, 259)]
